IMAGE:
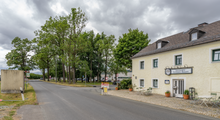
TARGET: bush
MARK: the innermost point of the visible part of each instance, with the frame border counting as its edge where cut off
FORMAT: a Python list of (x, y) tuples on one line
[(186, 92), (35, 76), (125, 83)]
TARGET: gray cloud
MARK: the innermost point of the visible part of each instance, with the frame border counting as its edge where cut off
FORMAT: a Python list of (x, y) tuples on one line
[(158, 18)]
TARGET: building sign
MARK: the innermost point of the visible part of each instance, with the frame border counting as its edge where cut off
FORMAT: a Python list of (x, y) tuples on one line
[(169, 71), (167, 81)]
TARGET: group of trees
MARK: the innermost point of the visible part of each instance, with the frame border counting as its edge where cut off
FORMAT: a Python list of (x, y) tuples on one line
[(62, 49)]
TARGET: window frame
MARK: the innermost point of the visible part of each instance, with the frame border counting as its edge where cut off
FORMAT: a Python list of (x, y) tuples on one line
[(153, 79), (158, 45), (176, 59), (140, 65), (140, 82), (154, 63), (213, 55), (194, 34)]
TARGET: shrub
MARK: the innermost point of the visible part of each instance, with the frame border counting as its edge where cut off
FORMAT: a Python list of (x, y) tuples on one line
[(124, 84), (186, 92)]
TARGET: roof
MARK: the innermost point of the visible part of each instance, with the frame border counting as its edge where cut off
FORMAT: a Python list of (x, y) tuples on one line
[(181, 40)]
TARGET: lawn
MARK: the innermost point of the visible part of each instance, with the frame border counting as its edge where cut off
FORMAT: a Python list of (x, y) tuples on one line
[(30, 98), (78, 83)]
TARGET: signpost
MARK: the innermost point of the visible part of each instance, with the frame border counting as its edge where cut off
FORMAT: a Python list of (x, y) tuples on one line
[(105, 86), (26, 78), (28, 74)]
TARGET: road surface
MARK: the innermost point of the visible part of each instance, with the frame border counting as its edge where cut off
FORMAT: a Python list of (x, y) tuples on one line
[(76, 103)]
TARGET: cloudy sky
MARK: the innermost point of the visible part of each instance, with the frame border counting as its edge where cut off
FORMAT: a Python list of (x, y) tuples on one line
[(158, 18)]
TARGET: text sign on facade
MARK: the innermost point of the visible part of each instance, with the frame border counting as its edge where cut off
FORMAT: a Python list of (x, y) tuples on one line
[(181, 71), (104, 84), (169, 71)]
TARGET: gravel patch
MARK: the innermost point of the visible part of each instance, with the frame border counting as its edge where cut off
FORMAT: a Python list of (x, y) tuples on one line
[(171, 102), (4, 110)]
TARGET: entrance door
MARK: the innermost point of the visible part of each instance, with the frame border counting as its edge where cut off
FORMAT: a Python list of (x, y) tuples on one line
[(178, 88)]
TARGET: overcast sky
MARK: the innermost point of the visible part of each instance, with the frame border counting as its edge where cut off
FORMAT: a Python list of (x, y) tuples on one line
[(158, 18)]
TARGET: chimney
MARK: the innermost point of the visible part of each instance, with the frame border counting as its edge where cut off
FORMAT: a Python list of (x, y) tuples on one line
[(202, 24)]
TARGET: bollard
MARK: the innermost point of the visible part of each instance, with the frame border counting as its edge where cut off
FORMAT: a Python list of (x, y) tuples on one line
[(22, 93)]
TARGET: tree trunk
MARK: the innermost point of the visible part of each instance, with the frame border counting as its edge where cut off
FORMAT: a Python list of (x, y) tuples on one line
[(74, 71), (44, 74), (105, 67), (48, 74), (64, 79), (116, 79), (69, 75), (90, 77)]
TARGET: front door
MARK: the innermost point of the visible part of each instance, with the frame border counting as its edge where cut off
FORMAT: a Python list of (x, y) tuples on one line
[(178, 88)]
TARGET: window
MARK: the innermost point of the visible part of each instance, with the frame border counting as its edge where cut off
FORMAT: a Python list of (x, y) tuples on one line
[(155, 83), (158, 45), (178, 60), (194, 36), (216, 55), (142, 65), (141, 82), (155, 63)]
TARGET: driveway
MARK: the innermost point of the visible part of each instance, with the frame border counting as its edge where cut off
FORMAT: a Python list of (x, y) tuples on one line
[(73, 103)]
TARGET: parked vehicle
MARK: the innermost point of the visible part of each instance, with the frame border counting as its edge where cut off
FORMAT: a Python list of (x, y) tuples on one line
[(115, 83), (108, 81)]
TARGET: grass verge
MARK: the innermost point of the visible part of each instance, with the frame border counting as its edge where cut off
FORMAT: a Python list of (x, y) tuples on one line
[(29, 94), (78, 83)]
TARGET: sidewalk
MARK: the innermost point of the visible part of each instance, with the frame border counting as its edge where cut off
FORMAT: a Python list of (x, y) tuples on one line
[(171, 102)]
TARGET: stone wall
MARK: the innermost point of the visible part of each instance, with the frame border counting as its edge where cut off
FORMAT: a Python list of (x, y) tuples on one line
[(11, 81)]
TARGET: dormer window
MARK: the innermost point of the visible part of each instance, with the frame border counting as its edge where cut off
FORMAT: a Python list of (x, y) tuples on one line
[(159, 45), (194, 36)]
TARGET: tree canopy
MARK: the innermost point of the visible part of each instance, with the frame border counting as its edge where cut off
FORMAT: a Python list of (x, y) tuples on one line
[(20, 57), (130, 44)]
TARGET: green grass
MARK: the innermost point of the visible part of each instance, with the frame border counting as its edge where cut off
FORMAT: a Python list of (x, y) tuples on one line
[(29, 93), (78, 83)]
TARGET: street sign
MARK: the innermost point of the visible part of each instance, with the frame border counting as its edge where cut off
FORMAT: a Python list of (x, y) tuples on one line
[(105, 84), (28, 74), (0, 100), (83, 76), (105, 89), (106, 78)]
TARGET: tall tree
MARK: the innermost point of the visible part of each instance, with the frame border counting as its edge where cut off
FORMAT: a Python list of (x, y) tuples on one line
[(56, 28), (99, 50), (44, 52), (129, 45), (108, 46), (19, 57), (77, 21)]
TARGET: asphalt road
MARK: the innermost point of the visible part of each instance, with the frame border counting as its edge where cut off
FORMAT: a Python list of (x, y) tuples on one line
[(73, 103)]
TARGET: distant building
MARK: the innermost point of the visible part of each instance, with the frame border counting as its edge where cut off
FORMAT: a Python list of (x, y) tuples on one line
[(120, 76)]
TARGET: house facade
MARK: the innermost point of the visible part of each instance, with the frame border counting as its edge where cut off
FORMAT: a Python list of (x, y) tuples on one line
[(178, 62)]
